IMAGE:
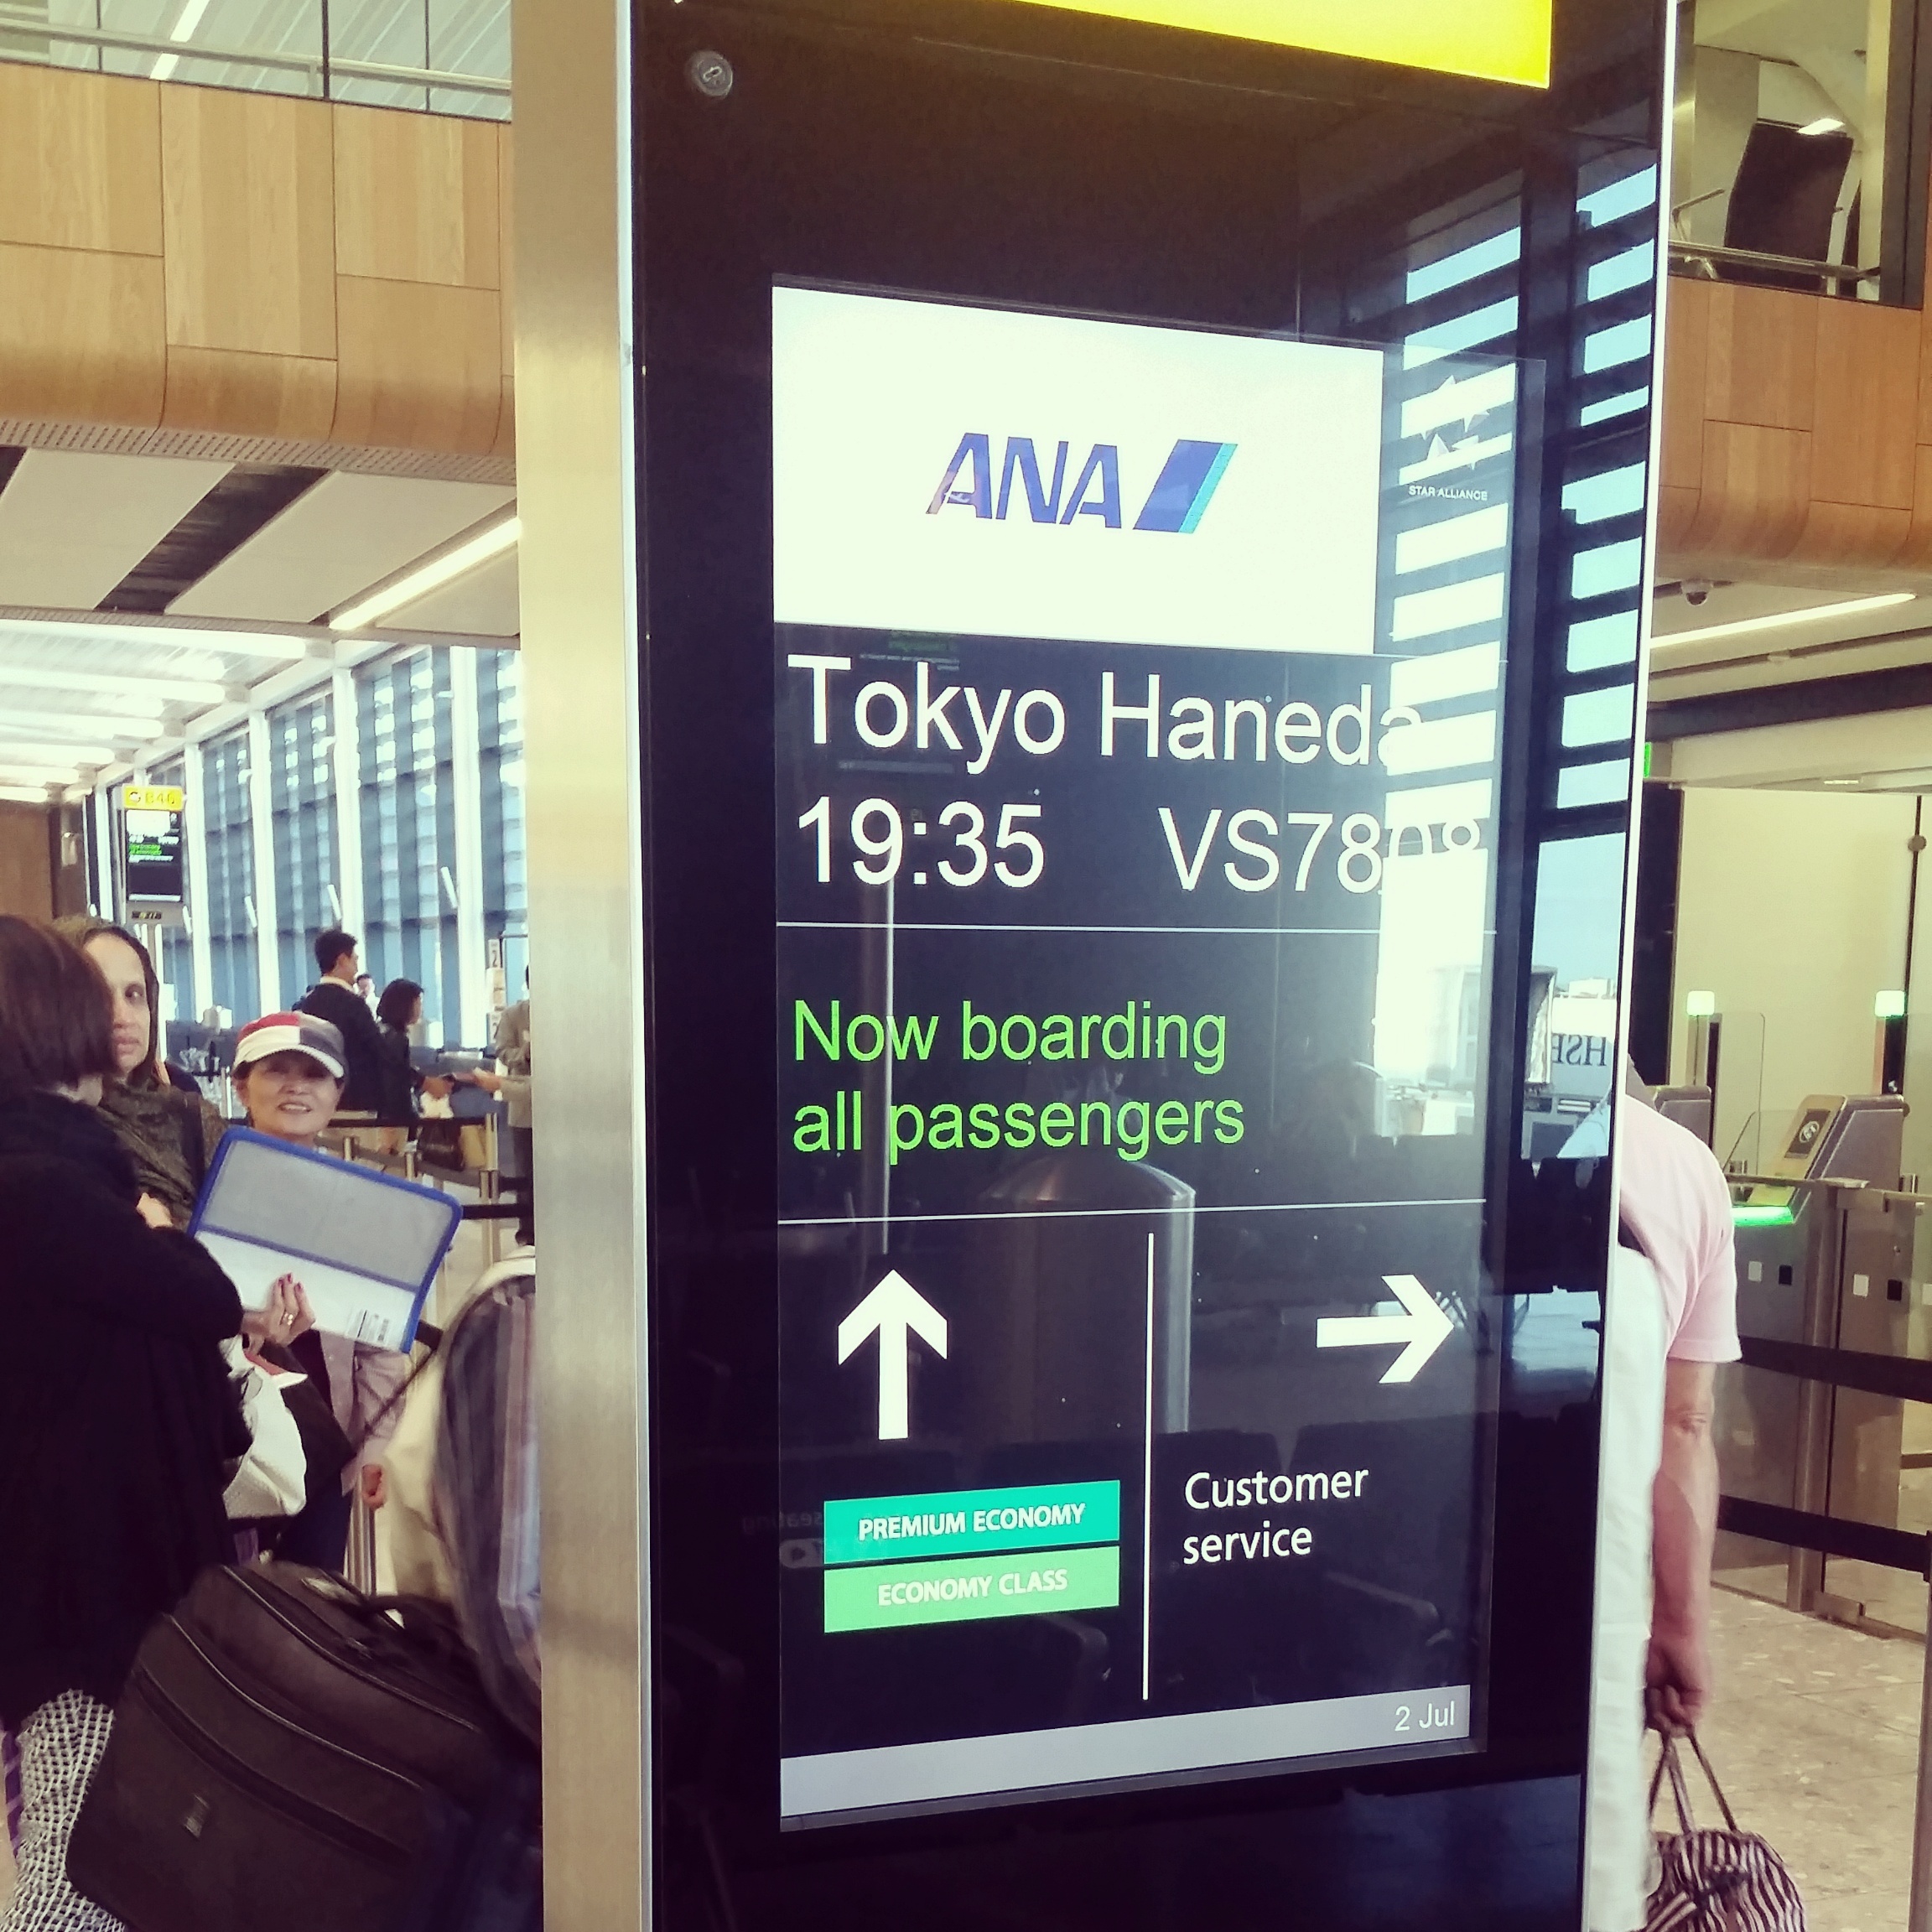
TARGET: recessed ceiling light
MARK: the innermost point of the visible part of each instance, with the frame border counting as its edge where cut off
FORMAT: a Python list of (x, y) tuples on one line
[(1825, 124), (236, 642), (1813, 614), (1844, 780), (372, 609)]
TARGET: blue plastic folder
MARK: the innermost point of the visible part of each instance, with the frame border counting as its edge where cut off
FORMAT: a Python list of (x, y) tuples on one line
[(365, 1247)]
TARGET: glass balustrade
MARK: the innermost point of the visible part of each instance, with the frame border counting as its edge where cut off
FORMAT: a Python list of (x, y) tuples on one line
[(434, 56)]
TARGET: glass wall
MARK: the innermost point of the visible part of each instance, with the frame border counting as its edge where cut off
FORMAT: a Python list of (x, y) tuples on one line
[(434, 56), (302, 802), (500, 744), (408, 823), (1799, 147), (225, 894), (174, 959)]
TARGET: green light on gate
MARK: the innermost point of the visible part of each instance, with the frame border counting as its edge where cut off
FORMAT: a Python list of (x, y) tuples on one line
[(1750, 1217)]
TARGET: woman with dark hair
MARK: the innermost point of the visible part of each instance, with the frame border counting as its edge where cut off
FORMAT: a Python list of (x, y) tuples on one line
[(402, 1087), (170, 1135), (116, 1421)]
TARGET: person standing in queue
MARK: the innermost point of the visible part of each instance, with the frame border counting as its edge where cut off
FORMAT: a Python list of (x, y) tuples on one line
[(399, 1012), (117, 1424), (170, 1136), (289, 1069), (333, 998)]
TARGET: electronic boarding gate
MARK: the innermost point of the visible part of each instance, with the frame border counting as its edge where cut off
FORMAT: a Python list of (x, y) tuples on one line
[(1131, 498)]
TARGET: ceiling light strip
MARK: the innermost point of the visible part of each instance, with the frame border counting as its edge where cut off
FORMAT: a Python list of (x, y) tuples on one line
[(418, 583), (1814, 613)]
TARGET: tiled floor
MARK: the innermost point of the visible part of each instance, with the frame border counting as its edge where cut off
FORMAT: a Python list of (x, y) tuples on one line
[(1816, 1738)]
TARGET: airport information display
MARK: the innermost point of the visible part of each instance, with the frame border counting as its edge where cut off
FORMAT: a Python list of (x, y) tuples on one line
[(1138, 693), (151, 819)]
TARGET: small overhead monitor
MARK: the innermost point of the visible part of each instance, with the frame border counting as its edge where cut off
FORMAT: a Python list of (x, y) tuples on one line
[(151, 832)]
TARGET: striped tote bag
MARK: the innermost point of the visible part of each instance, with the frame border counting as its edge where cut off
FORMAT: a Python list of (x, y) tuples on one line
[(1727, 1881)]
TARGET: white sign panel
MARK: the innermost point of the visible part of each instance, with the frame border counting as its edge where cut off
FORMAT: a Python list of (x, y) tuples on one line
[(977, 472)]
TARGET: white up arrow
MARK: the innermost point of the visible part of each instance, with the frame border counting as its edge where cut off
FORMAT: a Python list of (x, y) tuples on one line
[(1426, 1327), (898, 1312)]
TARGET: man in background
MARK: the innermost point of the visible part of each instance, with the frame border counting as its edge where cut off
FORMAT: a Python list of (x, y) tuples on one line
[(513, 1056), (333, 998)]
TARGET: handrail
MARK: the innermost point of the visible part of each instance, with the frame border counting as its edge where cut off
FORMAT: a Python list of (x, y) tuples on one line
[(320, 65), (1783, 264), (1907, 1550), (1898, 1376)]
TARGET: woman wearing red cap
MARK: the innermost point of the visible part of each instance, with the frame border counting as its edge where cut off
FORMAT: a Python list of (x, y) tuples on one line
[(289, 1070)]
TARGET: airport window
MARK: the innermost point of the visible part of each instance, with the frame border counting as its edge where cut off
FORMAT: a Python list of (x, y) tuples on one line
[(302, 804), (408, 824), (229, 898), (175, 956), (500, 747)]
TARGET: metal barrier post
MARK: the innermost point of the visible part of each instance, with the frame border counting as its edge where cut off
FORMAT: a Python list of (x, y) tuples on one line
[(1918, 1913), (1811, 1472), (361, 1561)]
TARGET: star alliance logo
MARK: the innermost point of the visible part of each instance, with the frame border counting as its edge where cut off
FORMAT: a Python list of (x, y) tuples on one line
[(1177, 503)]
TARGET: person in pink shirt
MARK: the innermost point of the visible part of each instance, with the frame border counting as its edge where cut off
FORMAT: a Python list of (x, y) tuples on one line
[(1676, 1205)]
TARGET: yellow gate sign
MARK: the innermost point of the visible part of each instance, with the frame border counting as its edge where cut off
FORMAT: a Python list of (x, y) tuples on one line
[(151, 799)]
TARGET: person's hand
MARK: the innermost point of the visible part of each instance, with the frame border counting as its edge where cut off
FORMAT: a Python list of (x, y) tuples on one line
[(1677, 1682), (374, 1485), (489, 1081), (287, 1315), (152, 1212), (440, 1084)]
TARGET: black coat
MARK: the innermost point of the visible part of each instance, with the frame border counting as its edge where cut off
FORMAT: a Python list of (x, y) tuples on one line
[(397, 1107), (348, 1012), (116, 1415)]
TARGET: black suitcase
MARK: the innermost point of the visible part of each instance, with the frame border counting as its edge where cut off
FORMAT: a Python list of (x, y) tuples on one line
[(289, 1755)]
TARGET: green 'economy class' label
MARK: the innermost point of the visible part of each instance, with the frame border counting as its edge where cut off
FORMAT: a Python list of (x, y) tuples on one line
[(881, 1595), (880, 1529)]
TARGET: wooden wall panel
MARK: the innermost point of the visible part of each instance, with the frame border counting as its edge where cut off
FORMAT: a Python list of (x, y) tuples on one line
[(418, 366), (506, 443), (248, 186), (1686, 343), (81, 336), (292, 397), (176, 255), (1755, 490), (417, 198), (1762, 356), (26, 861), (1868, 381), (80, 161), (1915, 553)]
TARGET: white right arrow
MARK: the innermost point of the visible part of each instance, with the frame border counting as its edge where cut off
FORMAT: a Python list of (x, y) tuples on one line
[(898, 1312), (1426, 1327)]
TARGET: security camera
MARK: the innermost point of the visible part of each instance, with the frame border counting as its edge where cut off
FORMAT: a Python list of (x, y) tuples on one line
[(1696, 590)]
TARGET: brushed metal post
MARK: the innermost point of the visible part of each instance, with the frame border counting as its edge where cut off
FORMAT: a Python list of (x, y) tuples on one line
[(1812, 1470), (576, 402)]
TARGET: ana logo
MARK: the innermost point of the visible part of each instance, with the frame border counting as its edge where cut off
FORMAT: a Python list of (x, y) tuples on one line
[(1177, 503)]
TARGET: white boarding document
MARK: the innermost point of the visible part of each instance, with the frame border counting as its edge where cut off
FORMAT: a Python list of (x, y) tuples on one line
[(365, 1247)]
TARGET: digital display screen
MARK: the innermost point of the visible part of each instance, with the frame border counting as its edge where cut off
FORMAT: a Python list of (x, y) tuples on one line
[(1138, 693), (151, 822)]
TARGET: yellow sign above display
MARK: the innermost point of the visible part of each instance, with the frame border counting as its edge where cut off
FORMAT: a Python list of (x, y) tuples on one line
[(151, 797), (1490, 40)]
